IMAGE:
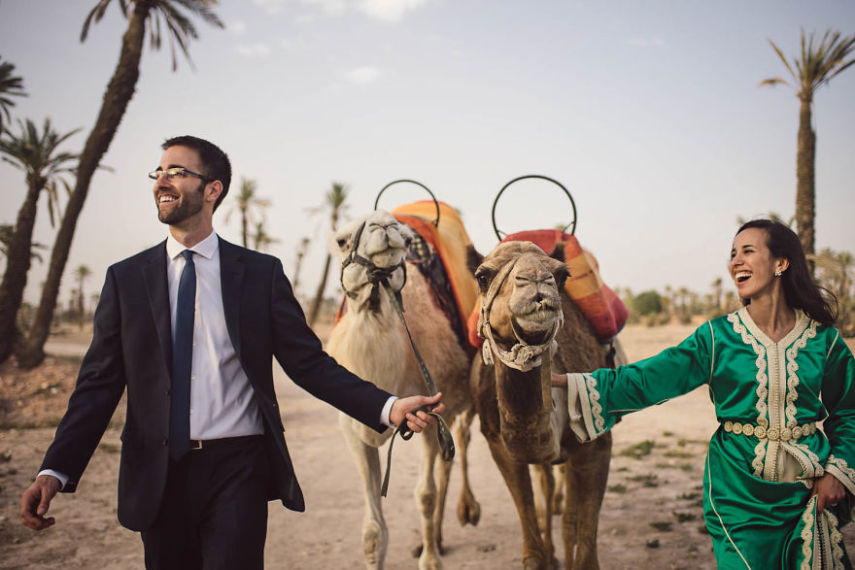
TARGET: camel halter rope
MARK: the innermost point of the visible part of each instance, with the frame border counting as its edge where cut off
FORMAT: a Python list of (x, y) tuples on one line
[(379, 278), (522, 356)]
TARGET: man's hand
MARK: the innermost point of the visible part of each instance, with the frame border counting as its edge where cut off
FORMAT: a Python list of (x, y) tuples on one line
[(403, 409), (829, 491), (35, 502)]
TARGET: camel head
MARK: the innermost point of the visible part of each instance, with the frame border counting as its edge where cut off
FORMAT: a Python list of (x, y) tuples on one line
[(520, 302), (519, 318), (372, 251)]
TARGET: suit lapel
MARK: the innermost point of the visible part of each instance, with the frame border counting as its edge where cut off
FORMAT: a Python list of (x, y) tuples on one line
[(231, 275), (154, 273)]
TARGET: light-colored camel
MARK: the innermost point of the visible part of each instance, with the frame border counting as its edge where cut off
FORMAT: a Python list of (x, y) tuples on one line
[(531, 327), (370, 340)]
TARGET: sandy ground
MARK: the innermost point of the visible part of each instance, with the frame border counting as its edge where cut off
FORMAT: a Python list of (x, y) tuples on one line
[(651, 516)]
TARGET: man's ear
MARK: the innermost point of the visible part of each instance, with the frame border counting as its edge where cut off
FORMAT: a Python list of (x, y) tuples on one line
[(213, 191)]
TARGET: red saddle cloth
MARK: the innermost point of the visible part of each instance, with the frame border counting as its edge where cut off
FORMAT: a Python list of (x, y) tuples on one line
[(605, 312)]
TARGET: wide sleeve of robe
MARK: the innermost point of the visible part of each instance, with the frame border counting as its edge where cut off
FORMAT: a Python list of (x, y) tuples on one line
[(598, 399), (838, 396)]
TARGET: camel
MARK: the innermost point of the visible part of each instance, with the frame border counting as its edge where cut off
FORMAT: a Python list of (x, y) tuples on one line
[(370, 340), (531, 328)]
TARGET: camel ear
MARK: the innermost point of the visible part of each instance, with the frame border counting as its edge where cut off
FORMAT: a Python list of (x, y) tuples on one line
[(473, 258), (561, 274), (558, 252)]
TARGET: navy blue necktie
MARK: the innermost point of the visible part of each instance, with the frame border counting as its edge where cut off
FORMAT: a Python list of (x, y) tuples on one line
[(182, 360)]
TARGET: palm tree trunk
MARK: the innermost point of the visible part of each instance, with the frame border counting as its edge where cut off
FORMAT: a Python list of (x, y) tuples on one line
[(243, 229), (319, 294), (119, 92), (17, 267), (805, 180)]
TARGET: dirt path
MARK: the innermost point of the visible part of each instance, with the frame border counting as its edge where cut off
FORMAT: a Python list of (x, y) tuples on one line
[(651, 516)]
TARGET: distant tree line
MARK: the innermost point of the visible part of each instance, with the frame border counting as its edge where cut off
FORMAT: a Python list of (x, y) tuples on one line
[(835, 271)]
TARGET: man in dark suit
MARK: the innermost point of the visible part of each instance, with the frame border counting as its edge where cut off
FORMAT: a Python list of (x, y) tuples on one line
[(190, 328)]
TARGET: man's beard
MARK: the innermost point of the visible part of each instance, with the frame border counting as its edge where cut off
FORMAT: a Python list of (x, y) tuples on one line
[(190, 204)]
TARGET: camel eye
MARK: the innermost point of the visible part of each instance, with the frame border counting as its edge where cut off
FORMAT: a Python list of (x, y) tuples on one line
[(483, 279), (341, 242)]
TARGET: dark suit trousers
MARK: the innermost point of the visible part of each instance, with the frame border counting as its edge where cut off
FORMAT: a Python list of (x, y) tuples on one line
[(214, 511)]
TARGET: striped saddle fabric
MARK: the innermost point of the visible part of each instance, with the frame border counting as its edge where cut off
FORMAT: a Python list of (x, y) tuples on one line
[(605, 312)]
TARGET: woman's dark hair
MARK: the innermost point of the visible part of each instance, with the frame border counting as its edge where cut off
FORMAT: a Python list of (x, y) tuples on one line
[(800, 290)]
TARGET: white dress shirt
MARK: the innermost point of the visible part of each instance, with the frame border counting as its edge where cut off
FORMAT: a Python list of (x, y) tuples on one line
[(222, 402)]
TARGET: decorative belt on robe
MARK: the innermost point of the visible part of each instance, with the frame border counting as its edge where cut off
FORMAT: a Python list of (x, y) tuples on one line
[(765, 461), (772, 434)]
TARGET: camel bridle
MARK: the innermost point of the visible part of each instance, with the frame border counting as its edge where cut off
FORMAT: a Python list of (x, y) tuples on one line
[(378, 278), (522, 356)]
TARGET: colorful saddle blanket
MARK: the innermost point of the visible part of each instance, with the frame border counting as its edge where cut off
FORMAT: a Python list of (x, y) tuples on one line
[(440, 255), (605, 312), (450, 241)]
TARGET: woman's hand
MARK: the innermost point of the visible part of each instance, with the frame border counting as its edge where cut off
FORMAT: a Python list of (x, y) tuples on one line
[(829, 491)]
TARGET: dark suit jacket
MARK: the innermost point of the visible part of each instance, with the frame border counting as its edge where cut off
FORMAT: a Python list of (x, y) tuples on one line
[(132, 349)]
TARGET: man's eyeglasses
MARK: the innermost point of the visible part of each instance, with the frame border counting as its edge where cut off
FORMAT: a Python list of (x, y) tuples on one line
[(180, 171)]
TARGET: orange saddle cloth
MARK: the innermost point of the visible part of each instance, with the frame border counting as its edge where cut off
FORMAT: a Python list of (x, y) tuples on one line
[(605, 312), (450, 241)]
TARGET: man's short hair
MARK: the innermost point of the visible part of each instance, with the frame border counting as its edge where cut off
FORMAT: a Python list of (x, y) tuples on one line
[(214, 161)]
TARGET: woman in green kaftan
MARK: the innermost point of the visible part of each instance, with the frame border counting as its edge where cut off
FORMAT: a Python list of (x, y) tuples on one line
[(777, 486)]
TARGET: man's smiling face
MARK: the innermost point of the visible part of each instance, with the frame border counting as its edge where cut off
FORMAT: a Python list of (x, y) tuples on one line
[(180, 197)]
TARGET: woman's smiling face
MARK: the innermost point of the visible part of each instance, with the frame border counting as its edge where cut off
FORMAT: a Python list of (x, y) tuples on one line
[(752, 266)]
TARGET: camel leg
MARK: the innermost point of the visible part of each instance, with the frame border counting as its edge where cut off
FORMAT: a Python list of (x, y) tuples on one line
[(375, 534), (468, 509), (586, 478), (558, 498), (544, 489), (426, 498), (443, 474), (517, 478)]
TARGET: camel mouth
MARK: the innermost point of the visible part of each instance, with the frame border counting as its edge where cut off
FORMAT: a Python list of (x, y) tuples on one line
[(533, 332), (389, 257)]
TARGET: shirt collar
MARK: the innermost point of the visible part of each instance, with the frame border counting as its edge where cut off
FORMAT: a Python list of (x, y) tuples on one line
[(206, 248)]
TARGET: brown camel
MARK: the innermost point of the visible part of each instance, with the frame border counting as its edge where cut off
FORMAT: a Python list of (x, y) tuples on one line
[(531, 328), (370, 340)]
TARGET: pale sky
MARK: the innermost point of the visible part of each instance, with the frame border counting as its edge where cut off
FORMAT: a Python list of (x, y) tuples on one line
[(649, 112)]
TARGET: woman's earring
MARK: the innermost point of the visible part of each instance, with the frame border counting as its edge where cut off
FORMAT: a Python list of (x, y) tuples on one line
[(778, 273)]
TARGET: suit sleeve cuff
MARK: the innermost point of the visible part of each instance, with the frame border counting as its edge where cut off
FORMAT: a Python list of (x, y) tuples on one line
[(386, 412), (63, 479)]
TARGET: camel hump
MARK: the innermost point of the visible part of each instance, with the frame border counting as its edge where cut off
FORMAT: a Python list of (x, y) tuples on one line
[(600, 305), (451, 242)]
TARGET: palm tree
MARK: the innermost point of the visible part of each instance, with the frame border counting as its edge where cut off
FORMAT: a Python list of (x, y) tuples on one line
[(155, 18), (37, 154), (717, 290), (7, 232), (11, 85), (334, 200), (302, 249), (81, 273), (246, 206), (262, 240), (815, 66)]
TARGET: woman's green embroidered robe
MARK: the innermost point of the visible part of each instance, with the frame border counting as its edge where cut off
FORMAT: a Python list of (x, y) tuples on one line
[(767, 452)]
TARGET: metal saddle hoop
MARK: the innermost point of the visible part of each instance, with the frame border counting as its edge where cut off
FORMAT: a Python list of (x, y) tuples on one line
[(417, 183), (572, 225)]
